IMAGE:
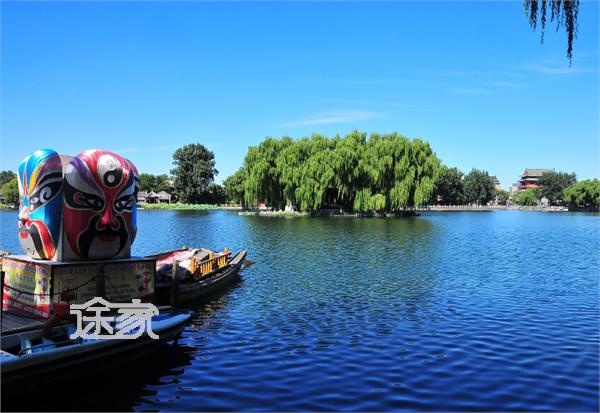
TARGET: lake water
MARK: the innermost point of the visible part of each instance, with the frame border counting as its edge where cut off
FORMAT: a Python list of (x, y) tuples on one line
[(445, 312)]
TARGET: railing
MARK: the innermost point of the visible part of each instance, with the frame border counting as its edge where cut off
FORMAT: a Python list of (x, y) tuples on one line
[(203, 268)]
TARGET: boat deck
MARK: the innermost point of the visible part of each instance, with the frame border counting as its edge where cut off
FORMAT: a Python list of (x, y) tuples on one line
[(14, 323)]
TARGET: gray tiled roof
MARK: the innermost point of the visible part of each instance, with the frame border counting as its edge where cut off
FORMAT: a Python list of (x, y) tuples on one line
[(535, 172)]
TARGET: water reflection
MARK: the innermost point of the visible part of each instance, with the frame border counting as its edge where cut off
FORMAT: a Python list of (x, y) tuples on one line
[(453, 312), (119, 389), (137, 384)]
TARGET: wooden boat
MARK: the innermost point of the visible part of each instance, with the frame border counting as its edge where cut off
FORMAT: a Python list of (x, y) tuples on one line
[(200, 273), (28, 358)]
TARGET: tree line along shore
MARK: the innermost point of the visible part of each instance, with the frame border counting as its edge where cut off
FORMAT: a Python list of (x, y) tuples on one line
[(380, 173), (357, 174)]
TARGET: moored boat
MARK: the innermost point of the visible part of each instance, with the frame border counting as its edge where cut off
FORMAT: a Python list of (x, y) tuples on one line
[(185, 275), (32, 357)]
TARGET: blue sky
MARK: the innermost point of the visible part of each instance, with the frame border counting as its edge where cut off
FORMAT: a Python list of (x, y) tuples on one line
[(142, 79)]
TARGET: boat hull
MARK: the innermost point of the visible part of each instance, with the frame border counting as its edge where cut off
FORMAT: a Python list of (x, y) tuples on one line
[(70, 362), (188, 292)]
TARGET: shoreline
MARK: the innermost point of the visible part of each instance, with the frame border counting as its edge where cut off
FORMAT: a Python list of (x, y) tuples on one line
[(341, 214), (187, 207), (416, 212)]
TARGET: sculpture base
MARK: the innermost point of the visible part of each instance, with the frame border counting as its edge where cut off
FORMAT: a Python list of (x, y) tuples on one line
[(39, 288)]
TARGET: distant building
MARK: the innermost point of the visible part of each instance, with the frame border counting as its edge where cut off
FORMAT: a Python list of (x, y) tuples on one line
[(163, 197), (497, 184), (142, 197), (531, 177), (152, 197)]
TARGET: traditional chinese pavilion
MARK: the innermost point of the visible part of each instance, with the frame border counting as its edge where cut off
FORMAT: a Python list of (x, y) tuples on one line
[(531, 177)]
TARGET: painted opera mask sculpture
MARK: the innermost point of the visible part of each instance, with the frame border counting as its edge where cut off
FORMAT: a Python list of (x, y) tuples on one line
[(40, 182), (84, 209), (99, 218)]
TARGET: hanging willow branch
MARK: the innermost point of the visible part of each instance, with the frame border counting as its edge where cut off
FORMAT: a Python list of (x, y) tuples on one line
[(563, 11)]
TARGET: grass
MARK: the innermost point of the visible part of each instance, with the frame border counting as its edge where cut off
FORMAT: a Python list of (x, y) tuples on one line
[(178, 206)]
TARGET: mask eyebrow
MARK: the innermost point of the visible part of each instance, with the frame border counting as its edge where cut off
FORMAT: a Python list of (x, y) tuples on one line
[(52, 177), (78, 176)]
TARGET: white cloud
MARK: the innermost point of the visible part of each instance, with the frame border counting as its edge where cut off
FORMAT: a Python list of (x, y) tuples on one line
[(334, 117)]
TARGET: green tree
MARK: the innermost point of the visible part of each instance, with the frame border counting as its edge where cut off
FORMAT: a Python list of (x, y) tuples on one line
[(553, 184), (234, 187), (449, 187), (6, 176), (528, 197), (214, 195), (156, 183), (583, 194), (147, 182), (478, 187), (404, 171), (349, 167), (563, 11), (316, 188), (263, 177), (502, 196), (10, 192), (162, 183), (362, 201), (383, 172), (290, 167), (378, 202), (194, 172)]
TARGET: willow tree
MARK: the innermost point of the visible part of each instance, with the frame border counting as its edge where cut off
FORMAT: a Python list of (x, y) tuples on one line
[(289, 166), (349, 166), (381, 172), (584, 194), (563, 11), (416, 170), (317, 173), (378, 164), (262, 181), (234, 187)]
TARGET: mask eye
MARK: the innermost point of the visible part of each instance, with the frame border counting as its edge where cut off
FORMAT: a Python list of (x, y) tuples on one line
[(88, 201), (47, 189), (44, 194), (77, 199), (125, 203)]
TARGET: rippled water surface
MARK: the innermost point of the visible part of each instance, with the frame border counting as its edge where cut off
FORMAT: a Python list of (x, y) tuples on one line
[(446, 311)]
